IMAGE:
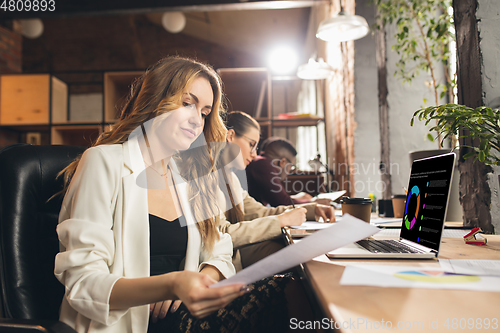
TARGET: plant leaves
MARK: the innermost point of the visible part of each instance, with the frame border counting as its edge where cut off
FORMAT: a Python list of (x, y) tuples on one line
[(483, 144), (469, 154), (481, 156)]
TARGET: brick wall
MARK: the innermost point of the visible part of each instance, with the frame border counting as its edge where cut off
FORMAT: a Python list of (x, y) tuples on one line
[(10, 62), (10, 51)]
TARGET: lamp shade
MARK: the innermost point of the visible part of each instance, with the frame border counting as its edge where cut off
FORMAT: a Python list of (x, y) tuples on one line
[(314, 70), (173, 22), (343, 27), (32, 28)]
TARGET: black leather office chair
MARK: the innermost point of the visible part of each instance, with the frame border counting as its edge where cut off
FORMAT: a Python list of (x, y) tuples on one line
[(30, 294)]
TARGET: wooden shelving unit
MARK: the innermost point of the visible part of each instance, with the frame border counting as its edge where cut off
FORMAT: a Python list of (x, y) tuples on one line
[(295, 122), (76, 135), (32, 99), (249, 90), (36, 106), (252, 90), (31, 103), (116, 90)]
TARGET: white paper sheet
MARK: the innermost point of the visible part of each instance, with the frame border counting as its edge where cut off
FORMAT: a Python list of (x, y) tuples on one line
[(382, 220), (416, 277), (332, 195), (349, 230), (474, 267), (312, 225), (454, 233), (375, 221)]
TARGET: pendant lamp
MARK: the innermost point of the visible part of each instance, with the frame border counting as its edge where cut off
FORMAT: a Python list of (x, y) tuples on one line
[(31, 28), (173, 22), (343, 27), (314, 70)]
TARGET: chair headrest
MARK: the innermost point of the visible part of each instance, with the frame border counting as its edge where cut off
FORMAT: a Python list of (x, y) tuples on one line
[(28, 220)]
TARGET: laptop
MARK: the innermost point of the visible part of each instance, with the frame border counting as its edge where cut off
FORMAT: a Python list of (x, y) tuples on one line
[(425, 212)]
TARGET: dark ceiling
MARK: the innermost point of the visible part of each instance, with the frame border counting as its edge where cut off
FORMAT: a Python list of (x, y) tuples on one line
[(80, 42), (68, 8)]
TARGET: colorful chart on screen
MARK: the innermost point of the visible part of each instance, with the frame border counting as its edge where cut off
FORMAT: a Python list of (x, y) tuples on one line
[(412, 207)]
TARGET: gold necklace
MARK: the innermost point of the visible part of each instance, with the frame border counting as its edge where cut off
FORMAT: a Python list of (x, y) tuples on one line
[(165, 172)]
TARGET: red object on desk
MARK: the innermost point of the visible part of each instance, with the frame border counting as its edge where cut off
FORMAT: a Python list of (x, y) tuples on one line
[(474, 238)]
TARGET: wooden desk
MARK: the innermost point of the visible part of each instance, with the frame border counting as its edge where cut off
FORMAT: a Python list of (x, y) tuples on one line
[(357, 308)]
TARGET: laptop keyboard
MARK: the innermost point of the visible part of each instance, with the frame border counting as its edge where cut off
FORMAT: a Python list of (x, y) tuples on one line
[(387, 246)]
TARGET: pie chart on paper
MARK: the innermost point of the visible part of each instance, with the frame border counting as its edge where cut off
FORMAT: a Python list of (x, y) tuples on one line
[(436, 277)]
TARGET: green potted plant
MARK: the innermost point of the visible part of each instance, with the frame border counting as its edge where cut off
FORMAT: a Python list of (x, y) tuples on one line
[(423, 34), (481, 124), (424, 30)]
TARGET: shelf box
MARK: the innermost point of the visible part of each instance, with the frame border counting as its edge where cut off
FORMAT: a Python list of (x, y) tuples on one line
[(296, 122), (29, 99), (116, 91), (75, 135), (36, 137)]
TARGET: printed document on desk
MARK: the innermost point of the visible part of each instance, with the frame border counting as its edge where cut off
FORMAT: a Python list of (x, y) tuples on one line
[(338, 234), (312, 226), (307, 228), (383, 220), (416, 277), (476, 266)]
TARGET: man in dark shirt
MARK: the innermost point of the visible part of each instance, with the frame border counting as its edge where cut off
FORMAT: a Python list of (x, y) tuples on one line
[(267, 171)]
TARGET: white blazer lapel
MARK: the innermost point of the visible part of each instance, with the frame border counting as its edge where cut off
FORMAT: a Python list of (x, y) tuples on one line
[(135, 214), (194, 237)]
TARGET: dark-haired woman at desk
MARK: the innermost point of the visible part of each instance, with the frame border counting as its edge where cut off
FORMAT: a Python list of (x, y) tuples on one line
[(254, 228)]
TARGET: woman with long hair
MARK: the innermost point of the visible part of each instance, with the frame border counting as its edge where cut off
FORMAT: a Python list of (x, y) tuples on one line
[(138, 224)]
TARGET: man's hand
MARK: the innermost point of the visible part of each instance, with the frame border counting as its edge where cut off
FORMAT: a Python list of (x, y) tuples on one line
[(326, 212)]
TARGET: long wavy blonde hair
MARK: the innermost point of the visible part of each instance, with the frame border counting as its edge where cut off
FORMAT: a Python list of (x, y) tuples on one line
[(160, 90)]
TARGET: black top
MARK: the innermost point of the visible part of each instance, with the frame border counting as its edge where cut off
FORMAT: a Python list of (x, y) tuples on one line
[(168, 244)]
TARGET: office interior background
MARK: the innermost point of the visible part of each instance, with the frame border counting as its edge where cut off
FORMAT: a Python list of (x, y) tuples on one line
[(82, 44)]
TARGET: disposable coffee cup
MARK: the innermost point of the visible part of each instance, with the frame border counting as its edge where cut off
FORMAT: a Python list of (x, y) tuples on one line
[(398, 205), (357, 207)]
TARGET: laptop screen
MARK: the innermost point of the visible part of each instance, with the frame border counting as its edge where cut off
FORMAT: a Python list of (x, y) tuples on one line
[(427, 200)]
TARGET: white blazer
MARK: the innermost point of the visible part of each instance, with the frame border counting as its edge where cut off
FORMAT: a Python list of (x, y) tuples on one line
[(104, 234)]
